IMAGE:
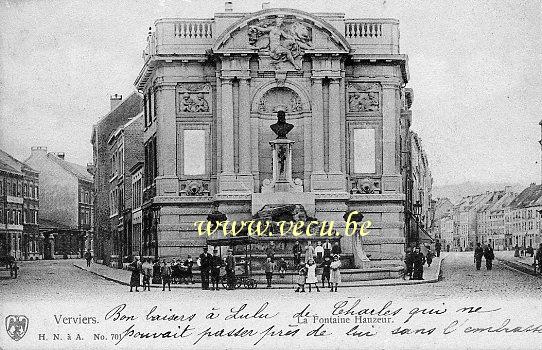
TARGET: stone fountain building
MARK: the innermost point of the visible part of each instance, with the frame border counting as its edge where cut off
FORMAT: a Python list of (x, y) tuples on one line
[(212, 88)]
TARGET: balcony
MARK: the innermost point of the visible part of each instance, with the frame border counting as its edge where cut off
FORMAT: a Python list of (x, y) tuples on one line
[(180, 36), (372, 36)]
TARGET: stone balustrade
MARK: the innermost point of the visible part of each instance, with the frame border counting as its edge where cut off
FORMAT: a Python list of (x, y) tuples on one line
[(372, 36), (174, 36)]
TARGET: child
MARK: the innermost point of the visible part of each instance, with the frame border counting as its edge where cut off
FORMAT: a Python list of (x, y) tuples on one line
[(301, 277), (311, 275), (282, 267), (326, 271), (166, 275), (335, 273)]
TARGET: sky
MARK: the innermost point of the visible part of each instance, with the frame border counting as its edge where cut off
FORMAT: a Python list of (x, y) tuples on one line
[(475, 68)]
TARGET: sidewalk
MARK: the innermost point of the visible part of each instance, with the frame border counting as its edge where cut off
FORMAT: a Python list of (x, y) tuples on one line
[(431, 275), (522, 263)]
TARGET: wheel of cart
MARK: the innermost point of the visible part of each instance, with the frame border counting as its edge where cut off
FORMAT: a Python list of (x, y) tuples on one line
[(238, 281), (224, 281), (250, 283), (243, 273)]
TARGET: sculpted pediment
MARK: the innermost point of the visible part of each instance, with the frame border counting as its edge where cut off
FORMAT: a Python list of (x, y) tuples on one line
[(282, 35)]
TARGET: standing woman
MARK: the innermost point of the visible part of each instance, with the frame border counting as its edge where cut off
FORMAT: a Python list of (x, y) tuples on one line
[(335, 272), (311, 275), (134, 279)]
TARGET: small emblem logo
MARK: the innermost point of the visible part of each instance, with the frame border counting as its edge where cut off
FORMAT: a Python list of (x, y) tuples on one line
[(16, 326)]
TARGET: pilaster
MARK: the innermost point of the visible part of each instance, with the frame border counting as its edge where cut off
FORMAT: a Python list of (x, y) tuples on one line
[(167, 182)]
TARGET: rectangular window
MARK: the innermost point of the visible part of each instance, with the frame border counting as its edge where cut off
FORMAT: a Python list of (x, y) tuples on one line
[(364, 151), (194, 152)]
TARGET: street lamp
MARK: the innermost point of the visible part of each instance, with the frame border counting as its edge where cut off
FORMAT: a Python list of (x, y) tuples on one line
[(417, 207)]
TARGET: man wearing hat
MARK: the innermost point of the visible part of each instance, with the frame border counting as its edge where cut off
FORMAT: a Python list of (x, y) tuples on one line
[(204, 265), (216, 264)]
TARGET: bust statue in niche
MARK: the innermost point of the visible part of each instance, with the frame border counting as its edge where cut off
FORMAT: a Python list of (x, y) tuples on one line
[(281, 128)]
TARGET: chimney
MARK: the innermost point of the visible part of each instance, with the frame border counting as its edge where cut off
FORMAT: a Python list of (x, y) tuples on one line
[(228, 6), (265, 5), (38, 150), (115, 101), (60, 155), (507, 189)]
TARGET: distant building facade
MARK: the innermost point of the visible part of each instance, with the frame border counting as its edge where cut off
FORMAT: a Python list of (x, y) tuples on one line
[(66, 204), (122, 111), (19, 210), (136, 174), (523, 217), (125, 150)]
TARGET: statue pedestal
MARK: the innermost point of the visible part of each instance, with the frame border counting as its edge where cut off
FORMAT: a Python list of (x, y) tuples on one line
[(282, 169)]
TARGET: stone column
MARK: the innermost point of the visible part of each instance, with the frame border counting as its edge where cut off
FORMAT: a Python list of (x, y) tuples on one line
[(334, 127), (167, 182), (317, 127), (244, 128), (227, 127)]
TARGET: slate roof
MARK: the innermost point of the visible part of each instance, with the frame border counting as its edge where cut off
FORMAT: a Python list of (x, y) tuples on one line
[(16, 165), (529, 197), (75, 169), (9, 169)]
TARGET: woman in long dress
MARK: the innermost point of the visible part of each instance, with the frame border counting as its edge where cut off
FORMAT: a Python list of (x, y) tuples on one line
[(311, 275), (135, 267), (335, 272)]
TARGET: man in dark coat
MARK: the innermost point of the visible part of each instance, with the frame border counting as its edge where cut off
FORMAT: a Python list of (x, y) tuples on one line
[(408, 263), (297, 250), (205, 265), (134, 278), (438, 247), (88, 257), (216, 264), (478, 254), (230, 269), (418, 259), (489, 255)]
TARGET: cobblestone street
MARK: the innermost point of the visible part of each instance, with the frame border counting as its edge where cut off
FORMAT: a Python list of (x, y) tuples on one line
[(50, 280)]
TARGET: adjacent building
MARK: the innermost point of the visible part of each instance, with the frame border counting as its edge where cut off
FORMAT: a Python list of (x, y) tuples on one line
[(122, 111), (523, 217), (19, 208), (440, 224), (66, 204), (125, 150), (136, 174)]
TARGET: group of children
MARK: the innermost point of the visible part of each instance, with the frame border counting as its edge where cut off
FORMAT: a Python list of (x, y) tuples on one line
[(166, 272), (330, 272)]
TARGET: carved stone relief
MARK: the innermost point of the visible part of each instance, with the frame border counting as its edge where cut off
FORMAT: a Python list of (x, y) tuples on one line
[(363, 97), (194, 188), (365, 186), (284, 39), (194, 98), (280, 98)]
